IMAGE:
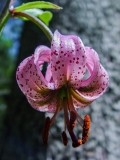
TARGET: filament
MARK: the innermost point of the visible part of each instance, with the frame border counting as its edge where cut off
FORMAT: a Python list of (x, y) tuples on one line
[(64, 138), (45, 132), (73, 119), (56, 111)]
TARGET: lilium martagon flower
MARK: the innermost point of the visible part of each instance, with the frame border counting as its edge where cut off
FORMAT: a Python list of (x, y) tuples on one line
[(74, 78)]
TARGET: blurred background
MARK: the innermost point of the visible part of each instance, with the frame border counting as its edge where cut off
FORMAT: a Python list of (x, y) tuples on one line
[(97, 23)]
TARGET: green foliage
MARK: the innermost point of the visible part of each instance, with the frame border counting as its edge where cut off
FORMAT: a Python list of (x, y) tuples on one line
[(45, 16), (37, 4), (34, 9)]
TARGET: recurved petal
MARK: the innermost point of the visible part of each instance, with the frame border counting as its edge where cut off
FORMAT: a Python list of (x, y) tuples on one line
[(95, 85), (98, 81), (28, 79), (43, 54), (68, 60), (92, 63)]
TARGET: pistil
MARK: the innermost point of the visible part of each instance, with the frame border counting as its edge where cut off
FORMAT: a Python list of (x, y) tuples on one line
[(48, 123), (75, 141)]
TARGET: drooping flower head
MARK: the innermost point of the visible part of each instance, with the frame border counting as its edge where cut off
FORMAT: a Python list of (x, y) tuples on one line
[(74, 78)]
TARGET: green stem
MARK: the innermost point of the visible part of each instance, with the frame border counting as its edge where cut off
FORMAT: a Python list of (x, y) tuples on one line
[(3, 20), (37, 21)]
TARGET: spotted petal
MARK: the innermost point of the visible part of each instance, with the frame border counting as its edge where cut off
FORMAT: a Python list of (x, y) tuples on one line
[(98, 81), (29, 81), (92, 64), (97, 87), (68, 60)]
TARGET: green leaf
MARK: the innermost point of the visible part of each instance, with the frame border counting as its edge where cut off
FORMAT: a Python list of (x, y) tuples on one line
[(34, 12), (37, 4), (45, 16)]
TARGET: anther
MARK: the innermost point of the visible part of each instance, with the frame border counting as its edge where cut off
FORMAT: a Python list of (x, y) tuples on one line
[(86, 129), (64, 138), (76, 142), (73, 119), (45, 132)]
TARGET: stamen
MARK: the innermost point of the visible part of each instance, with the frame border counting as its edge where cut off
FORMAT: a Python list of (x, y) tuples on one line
[(73, 119), (64, 138), (56, 111), (86, 129), (48, 123), (45, 132)]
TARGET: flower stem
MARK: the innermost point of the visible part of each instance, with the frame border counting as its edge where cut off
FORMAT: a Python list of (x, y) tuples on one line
[(4, 20), (4, 16), (37, 21)]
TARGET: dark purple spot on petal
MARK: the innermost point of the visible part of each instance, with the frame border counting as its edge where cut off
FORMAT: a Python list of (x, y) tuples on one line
[(57, 62)]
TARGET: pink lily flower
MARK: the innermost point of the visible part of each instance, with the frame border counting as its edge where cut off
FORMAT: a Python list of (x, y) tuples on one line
[(74, 78)]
